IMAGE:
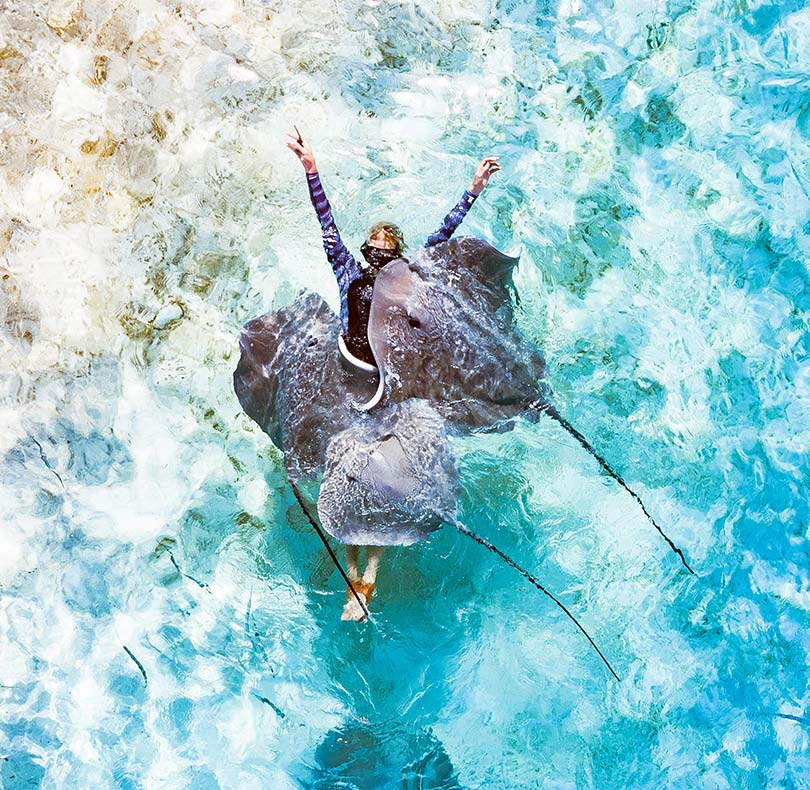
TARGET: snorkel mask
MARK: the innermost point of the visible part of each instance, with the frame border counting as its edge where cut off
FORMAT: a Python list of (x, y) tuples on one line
[(377, 256)]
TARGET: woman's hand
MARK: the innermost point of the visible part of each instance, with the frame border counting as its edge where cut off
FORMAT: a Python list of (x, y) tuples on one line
[(302, 150), (485, 170)]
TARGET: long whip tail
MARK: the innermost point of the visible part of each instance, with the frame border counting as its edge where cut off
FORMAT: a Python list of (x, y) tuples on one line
[(329, 549), (509, 561), (547, 408)]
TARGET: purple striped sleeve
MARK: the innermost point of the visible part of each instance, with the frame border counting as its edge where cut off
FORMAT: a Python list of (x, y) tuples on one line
[(340, 259), (452, 220)]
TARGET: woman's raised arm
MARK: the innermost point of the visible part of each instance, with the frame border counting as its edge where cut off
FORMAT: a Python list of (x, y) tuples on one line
[(488, 166), (340, 259)]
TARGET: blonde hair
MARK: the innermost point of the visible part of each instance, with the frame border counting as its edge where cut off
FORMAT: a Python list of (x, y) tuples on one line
[(390, 232)]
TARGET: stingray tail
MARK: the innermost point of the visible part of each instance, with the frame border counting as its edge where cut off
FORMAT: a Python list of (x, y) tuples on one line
[(509, 561), (329, 549), (547, 408)]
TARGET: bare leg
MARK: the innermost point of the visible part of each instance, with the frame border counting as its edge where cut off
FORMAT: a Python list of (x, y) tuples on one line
[(373, 554), (365, 586), (352, 568)]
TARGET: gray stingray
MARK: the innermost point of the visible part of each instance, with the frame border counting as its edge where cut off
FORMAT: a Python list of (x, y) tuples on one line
[(441, 328), (449, 358), (390, 480)]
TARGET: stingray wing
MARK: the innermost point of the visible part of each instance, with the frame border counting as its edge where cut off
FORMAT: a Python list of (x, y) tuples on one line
[(290, 381)]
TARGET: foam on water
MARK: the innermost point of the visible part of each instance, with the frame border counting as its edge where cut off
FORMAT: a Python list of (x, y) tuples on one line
[(168, 619)]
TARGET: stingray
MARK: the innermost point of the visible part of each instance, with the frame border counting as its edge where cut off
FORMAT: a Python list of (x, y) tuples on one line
[(441, 327), (371, 447)]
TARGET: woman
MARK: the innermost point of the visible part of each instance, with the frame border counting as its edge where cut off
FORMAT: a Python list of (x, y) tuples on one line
[(384, 244)]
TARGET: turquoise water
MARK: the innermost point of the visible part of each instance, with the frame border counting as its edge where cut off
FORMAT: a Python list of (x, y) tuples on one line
[(169, 620)]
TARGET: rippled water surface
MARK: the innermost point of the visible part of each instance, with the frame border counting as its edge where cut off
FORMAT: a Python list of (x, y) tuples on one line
[(168, 618)]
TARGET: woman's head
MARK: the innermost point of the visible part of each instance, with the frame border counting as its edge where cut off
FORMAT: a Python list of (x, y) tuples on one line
[(385, 242)]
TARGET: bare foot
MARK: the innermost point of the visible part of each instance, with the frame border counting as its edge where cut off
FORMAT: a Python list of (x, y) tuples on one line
[(352, 610)]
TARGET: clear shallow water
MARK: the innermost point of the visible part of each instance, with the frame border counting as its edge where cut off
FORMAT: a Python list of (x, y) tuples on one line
[(657, 181)]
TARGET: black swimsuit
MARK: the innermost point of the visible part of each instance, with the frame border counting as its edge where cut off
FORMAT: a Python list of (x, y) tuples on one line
[(359, 297)]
